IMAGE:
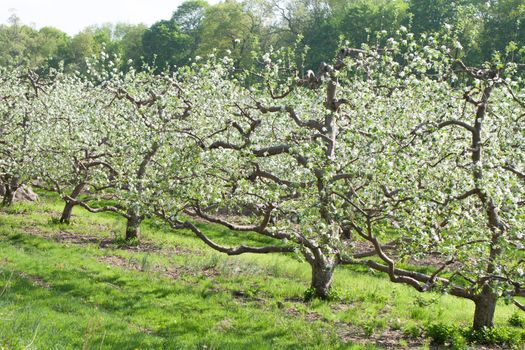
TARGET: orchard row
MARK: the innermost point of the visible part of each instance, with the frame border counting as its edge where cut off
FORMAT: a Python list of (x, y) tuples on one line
[(385, 156)]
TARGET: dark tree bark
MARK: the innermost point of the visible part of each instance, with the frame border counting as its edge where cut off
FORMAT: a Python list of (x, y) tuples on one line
[(346, 233), (133, 225), (9, 195), (10, 185), (68, 208), (485, 309), (65, 218)]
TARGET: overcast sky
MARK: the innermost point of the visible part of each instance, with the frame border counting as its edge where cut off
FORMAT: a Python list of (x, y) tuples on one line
[(74, 15)]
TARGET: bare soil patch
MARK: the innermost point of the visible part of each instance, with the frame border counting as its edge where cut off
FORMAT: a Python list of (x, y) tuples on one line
[(83, 239), (166, 271), (309, 316), (388, 339), (36, 280)]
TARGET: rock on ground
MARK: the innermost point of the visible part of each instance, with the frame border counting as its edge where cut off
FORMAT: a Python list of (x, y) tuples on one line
[(24, 193)]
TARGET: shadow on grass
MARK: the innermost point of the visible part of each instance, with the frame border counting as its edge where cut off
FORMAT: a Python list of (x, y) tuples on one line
[(64, 288)]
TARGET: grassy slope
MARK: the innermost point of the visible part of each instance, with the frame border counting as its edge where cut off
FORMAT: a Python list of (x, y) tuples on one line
[(59, 294)]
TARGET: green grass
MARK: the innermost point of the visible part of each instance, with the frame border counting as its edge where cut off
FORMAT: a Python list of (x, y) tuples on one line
[(172, 292)]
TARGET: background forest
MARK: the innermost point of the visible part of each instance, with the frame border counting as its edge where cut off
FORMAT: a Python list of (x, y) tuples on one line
[(196, 28)]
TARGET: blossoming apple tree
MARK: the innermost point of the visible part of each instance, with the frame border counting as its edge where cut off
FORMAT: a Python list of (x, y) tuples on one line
[(143, 110), (276, 151), (386, 155), (374, 155), (19, 106), (74, 142), (450, 193)]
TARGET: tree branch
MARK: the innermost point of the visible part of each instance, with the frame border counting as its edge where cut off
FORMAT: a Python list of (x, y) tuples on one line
[(513, 170), (242, 249), (312, 124), (457, 123), (115, 209)]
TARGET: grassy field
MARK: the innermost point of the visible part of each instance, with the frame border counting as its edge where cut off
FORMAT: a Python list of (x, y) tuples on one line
[(76, 287)]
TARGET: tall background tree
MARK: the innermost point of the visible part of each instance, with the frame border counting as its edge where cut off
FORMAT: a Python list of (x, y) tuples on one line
[(197, 28)]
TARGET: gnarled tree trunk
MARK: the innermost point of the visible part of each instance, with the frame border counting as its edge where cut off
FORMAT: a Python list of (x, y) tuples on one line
[(9, 195), (65, 218), (485, 309), (133, 225), (322, 279), (10, 185)]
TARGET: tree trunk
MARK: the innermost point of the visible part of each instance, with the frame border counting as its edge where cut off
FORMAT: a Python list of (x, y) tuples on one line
[(133, 225), (10, 187), (66, 213), (484, 311), (68, 208), (9, 195), (322, 280)]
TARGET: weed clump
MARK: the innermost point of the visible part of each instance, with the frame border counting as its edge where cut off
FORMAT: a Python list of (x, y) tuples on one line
[(517, 320), (309, 295), (460, 337)]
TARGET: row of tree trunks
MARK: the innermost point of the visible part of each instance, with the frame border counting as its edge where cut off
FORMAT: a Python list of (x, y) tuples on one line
[(485, 303), (133, 219)]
